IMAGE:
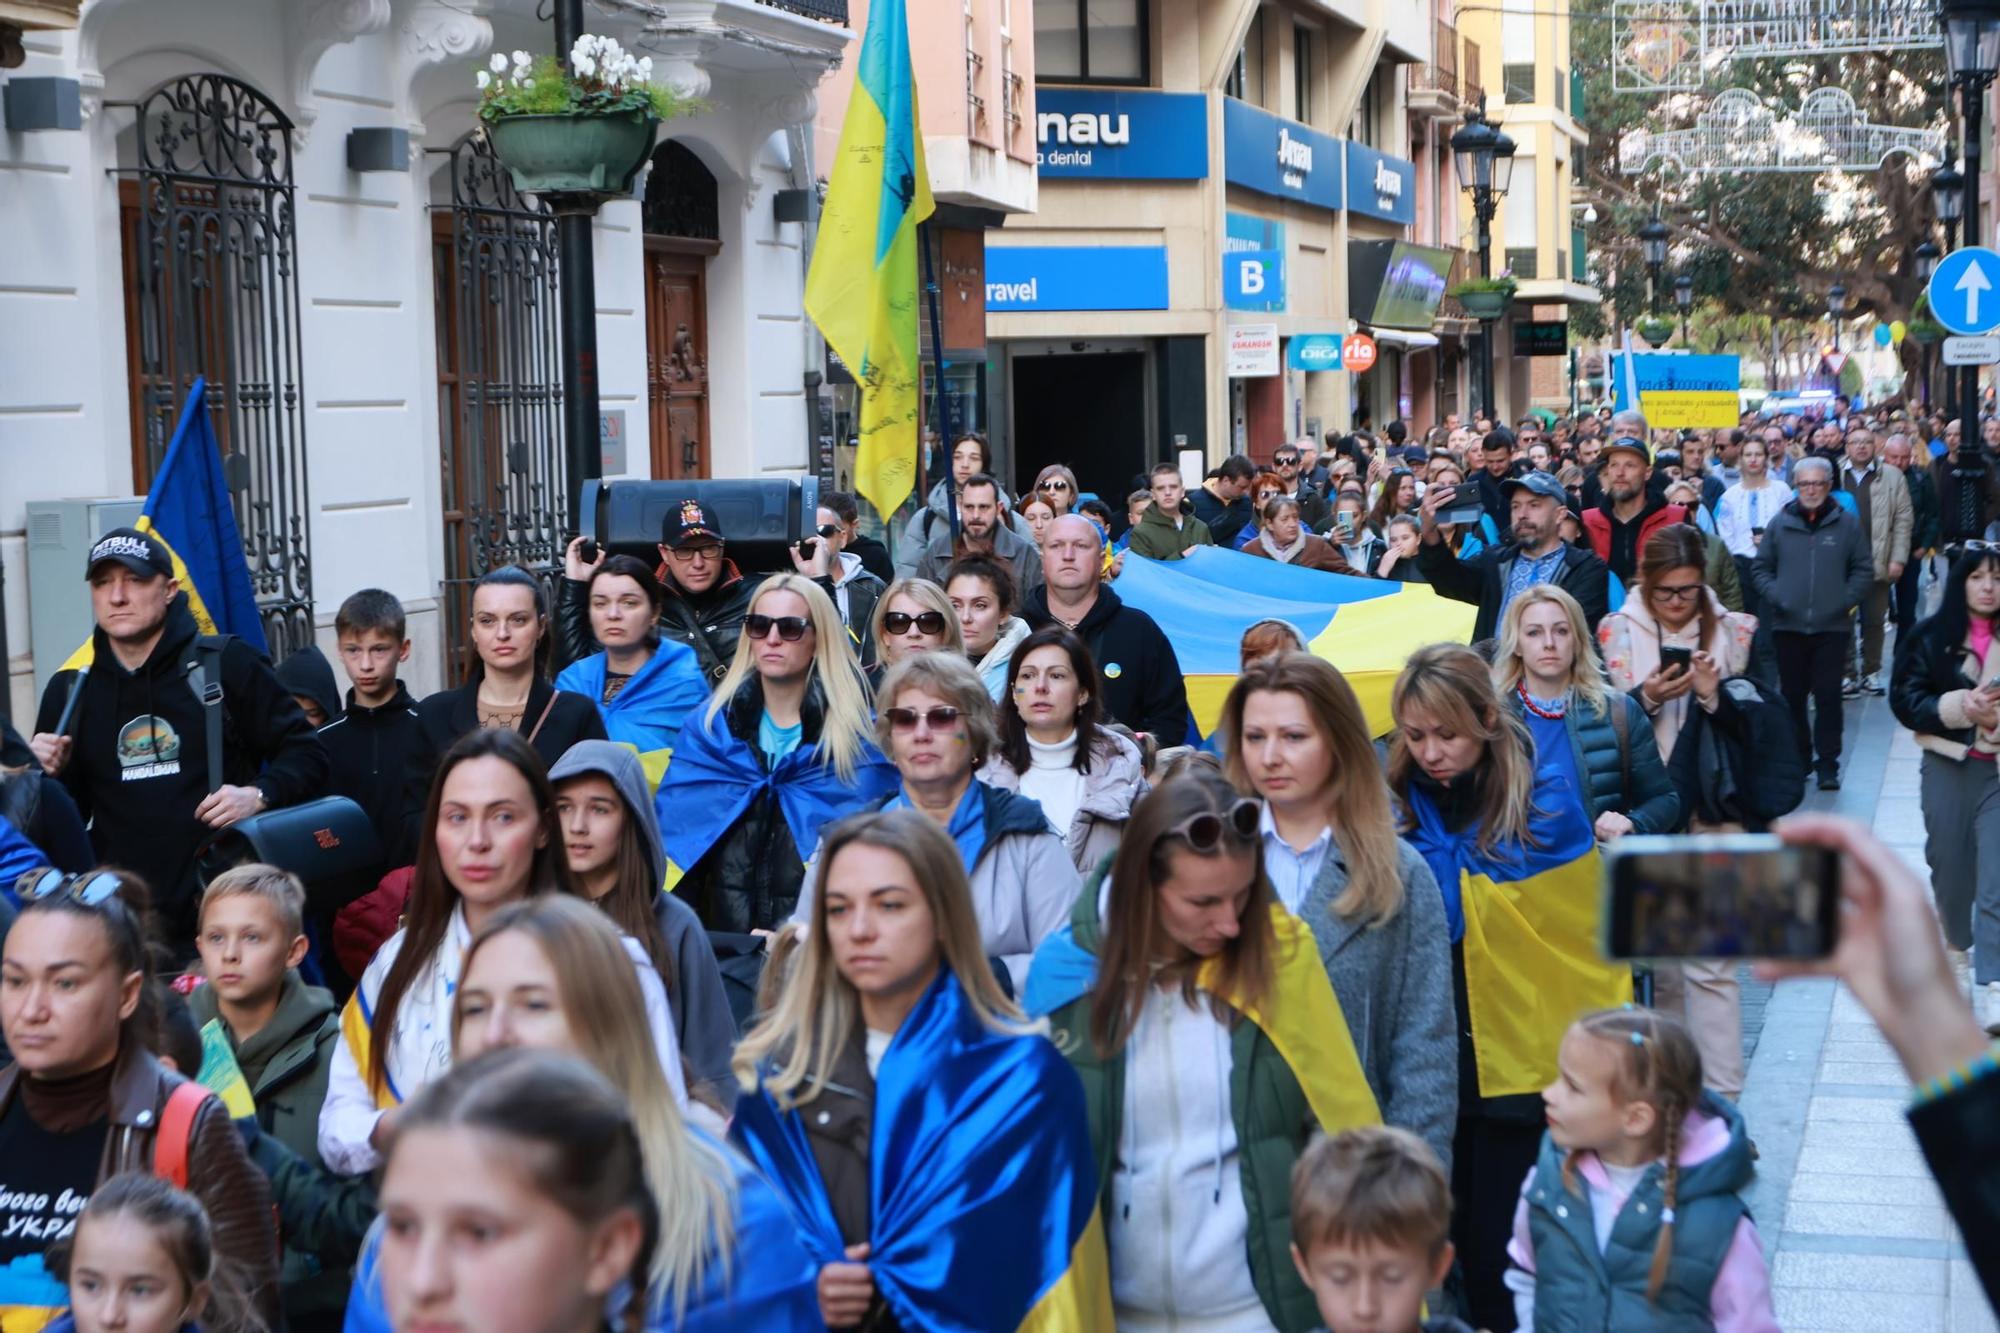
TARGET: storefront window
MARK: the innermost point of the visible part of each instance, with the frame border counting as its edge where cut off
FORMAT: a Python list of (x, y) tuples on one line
[(1090, 41)]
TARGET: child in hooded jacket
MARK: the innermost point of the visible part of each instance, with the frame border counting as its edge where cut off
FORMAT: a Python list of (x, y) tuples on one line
[(1632, 1218)]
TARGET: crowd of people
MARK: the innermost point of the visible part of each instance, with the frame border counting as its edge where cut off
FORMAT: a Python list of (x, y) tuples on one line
[(876, 943)]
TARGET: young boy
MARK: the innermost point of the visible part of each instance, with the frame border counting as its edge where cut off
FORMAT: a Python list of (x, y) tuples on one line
[(367, 745), (1371, 1230), (282, 1033)]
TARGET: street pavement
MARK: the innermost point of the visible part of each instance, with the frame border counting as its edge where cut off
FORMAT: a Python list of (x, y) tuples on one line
[(1855, 1231)]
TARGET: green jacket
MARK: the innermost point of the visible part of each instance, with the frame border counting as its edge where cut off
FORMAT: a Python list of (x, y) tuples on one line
[(1273, 1123), (285, 1064), (1157, 538)]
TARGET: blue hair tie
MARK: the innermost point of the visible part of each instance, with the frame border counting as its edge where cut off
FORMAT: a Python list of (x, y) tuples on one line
[(1638, 1039)]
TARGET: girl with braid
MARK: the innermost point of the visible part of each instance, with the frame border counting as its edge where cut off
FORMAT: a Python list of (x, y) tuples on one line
[(1632, 1217)]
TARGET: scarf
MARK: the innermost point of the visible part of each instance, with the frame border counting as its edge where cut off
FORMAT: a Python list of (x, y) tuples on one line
[(1283, 554), (420, 1047), (647, 714)]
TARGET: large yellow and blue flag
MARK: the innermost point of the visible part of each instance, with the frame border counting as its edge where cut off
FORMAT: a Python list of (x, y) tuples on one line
[(1366, 627), (862, 287), (188, 509)]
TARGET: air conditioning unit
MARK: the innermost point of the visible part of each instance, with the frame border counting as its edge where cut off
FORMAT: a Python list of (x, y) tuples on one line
[(60, 535)]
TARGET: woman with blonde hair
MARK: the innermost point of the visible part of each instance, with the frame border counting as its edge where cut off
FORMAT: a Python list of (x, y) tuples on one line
[(782, 748), (914, 616), (1294, 735), (1516, 859), (891, 1032), (1584, 733), (541, 975)]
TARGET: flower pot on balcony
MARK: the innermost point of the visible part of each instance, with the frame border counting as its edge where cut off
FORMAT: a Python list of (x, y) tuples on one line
[(573, 153), (1486, 305)]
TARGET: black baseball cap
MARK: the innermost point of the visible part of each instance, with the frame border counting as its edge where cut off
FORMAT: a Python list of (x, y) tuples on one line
[(1541, 483), (687, 523), (140, 552)]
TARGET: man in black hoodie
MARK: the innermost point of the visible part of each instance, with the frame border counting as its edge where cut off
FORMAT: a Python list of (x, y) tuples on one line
[(134, 754)]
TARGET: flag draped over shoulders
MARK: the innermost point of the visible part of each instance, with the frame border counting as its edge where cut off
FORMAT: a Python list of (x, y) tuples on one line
[(862, 288), (1532, 929), (1294, 1016), (188, 509), (982, 1191), (716, 775), (652, 707)]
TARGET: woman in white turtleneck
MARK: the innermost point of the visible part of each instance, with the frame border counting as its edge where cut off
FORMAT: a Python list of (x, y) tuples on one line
[(1054, 748)]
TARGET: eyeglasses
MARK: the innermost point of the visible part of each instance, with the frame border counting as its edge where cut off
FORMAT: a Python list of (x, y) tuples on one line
[(91, 891), (899, 622), (790, 628), (1680, 592), (687, 555), (1055, 484), (1204, 832), (937, 719)]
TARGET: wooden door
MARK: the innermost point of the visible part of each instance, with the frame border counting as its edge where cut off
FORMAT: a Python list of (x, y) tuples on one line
[(676, 360)]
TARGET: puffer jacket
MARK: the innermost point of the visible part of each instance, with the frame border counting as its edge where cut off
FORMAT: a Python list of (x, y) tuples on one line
[(220, 1173), (709, 622), (1272, 1118), (1114, 783), (1652, 803), (1928, 689)]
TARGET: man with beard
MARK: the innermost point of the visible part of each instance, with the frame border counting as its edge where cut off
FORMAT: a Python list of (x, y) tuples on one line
[(1535, 553), (1496, 465), (1630, 512), (982, 531)]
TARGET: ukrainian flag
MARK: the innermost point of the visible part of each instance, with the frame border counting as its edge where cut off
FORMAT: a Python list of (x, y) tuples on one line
[(1366, 627), (862, 287), (188, 509)]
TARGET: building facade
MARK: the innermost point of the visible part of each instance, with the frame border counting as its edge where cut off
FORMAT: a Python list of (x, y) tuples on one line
[(379, 335), (1187, 282)]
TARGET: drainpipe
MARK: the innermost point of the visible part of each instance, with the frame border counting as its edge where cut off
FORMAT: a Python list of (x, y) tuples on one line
[(799, 139)]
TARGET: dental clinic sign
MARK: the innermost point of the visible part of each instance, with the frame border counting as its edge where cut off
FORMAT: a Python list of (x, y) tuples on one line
[(1278, 157), (1134, 135), (1381, 186)]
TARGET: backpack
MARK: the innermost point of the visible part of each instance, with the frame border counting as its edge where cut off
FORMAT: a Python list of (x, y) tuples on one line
[(1745, 759), (203, 673), (175, 1141)]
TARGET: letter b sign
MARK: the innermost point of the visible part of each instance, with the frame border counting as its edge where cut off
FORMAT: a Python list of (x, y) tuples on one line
[(1254, 280), (1252, 277)]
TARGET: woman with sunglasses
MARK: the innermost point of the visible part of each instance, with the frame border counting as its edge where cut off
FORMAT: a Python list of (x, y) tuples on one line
[(914, 616), (1211, 1047), (1944, 689), (984, 597), (1264, 487), (85, 1099), (783, 747), (1294, 735), (929, 1140), (936, 725), (1057, 485), (644, 686), (854, 590), (491, 838), (1055, 749)]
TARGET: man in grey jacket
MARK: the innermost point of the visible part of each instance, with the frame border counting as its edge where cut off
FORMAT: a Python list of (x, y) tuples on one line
[(1812, 569), (1882, 500), (983, 530)]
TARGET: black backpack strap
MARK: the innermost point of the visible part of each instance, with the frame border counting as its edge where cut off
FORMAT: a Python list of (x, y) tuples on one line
[(1621, 725), (205, 674)]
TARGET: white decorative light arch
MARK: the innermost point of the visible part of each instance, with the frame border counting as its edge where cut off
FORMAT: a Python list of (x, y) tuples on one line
[(1670, 45), (1738, 133)]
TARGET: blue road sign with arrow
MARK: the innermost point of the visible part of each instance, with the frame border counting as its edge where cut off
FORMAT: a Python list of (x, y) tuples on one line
[(1965, 290)]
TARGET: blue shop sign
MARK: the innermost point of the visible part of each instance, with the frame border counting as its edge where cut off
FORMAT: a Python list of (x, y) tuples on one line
[(1131, 135), (1274, 156), (1313, 351), (1076, 277), (1253, 263), (1381, 186)]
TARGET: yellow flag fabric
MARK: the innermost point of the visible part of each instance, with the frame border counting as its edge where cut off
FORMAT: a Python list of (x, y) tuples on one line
[(1081, 1300), (1321, 1053), (220, 1073), (862, 287), (1532, 964), (356, 1031)]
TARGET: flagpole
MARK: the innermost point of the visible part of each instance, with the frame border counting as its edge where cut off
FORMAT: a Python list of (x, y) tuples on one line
[(946, 443)]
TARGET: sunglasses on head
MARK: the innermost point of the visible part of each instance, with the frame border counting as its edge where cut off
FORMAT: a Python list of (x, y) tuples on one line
[(1204, 832), (899, 622), (937, 719), (90, 890), (790, 628)]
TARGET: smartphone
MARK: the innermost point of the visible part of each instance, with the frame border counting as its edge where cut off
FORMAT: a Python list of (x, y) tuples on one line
[(587, 552), (1343, 523), (1677, 657), (807, 547), (1465, 508), (1724, 895)]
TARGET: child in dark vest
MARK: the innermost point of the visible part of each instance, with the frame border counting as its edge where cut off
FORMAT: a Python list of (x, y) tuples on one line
[(1371, 1230), (1632, 1217)]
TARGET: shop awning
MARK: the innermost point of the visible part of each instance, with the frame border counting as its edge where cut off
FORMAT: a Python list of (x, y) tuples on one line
[(1409, 342)]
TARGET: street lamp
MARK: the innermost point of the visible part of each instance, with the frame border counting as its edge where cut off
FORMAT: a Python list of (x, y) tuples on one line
[(1927, 256), (1653, 245), (1684, 298), (1483, 157), (1836, 306), (1948, 199)]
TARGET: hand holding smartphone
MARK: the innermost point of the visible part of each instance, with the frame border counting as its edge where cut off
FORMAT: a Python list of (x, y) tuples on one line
[(1730, 895), (1674, 660)]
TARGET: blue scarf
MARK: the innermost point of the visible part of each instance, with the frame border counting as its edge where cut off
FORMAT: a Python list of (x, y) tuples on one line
[(17, 857), (968, 822), (716, 775), (980, 1148), (649, 712)]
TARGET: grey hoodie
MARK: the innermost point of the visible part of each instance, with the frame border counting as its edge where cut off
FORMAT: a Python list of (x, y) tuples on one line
[(702, 1019)]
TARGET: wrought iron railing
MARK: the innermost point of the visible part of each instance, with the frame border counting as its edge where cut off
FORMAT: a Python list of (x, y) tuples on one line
[(830, 11), (1433, 79)]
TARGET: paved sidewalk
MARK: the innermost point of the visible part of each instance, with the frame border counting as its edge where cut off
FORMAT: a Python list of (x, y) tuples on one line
[(1857, 1234)]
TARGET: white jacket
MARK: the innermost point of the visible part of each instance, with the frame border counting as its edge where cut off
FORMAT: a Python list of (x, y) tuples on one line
[(1741, 511)]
